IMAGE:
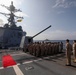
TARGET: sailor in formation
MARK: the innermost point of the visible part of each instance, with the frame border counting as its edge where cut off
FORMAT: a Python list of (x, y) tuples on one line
[(74, 50), (44, 48), (68, 53)]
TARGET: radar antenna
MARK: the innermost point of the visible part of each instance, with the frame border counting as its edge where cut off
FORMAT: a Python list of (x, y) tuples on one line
[(11, 16)]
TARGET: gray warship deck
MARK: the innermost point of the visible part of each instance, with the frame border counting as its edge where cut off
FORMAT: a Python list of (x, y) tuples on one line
[(31, 65)]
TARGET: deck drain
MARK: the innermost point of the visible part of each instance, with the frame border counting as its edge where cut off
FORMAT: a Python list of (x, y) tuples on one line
[(29, 68)]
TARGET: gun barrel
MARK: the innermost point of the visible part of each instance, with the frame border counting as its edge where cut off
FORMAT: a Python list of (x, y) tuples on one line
[(41, 31)]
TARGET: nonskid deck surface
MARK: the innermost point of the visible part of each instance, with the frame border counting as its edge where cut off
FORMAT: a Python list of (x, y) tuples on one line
[(31, 65)]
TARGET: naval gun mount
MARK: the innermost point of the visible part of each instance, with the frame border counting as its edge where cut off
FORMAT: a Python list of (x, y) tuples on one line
[(29, 39), (10, 34)]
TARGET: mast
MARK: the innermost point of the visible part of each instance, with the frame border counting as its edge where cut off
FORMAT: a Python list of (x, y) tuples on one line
[(11, 16)]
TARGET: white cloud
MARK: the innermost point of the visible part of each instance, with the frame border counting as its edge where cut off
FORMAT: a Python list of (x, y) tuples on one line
[(21, 14), (1, 22), (57, 35), (65, 3), (18, 2)]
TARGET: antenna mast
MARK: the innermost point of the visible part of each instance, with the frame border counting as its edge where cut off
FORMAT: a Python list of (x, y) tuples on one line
[(11, 16)]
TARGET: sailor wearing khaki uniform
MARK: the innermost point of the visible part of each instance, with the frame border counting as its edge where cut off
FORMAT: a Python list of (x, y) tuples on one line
[(68, 53), (42, 49), (74, 50)]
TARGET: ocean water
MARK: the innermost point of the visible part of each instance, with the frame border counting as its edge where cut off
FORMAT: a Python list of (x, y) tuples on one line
[(63, 41)]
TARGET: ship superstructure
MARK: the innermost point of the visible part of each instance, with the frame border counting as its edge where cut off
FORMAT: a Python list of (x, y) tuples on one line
[(10, 33)]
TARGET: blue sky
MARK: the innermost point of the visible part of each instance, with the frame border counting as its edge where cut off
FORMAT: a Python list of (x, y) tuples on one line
[(38, 14)]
